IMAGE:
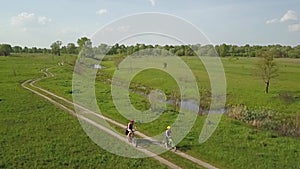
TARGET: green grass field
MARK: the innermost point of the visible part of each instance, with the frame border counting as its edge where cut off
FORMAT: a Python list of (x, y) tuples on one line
[(244, 86), (57, 138), (36, 134)]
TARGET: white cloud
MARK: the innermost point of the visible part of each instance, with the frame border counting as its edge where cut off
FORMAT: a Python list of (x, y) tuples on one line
[(290, 15), (294, 28), (29, 19), (22, 18), (152, 2), (102, 11), (275, 20), (44, 20)]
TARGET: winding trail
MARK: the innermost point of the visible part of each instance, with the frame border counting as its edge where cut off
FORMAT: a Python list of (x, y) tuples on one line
[(39, 91)]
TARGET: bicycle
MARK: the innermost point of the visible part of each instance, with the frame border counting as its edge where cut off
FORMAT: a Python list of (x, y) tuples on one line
[(169, 144), (132, 139)]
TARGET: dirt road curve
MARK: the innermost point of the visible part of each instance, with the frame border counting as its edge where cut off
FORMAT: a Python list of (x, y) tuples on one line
[(36, 90)]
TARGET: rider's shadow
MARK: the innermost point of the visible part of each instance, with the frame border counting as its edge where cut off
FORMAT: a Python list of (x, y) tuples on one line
[(184, 148), (141, 142)]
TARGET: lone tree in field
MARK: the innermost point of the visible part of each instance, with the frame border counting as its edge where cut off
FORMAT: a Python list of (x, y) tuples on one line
[(267, 68), (175, 97)]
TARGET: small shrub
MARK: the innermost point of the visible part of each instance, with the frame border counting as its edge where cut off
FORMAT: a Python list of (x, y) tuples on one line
[(267, 119), (236, 112), (290, 126)]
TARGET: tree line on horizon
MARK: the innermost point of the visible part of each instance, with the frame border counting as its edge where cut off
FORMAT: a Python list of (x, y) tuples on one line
[(223, 50)]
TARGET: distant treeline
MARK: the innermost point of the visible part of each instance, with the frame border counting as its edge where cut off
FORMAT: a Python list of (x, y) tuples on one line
[(224, 50)]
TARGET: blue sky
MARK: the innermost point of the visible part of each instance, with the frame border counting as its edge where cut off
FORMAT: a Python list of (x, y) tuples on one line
[(40, 22)]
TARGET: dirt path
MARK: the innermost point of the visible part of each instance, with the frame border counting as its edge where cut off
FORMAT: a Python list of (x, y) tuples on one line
[(35, 89)]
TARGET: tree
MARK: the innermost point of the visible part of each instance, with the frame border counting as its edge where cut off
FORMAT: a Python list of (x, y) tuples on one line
[(294, 52), (267, 68), (25, 50), (175, 98), (113, 50), (63, 49), (71, 48), (34, 50), (222, 50), (189, 51), (45, 50), (87, 50), (180, 52), (17, 49), (55, 47), (39, 50), (102, 49), (5, 49), (81, 42), (247, 50)]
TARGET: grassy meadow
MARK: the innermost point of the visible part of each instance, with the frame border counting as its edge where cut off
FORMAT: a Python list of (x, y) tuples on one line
[(38, 134)]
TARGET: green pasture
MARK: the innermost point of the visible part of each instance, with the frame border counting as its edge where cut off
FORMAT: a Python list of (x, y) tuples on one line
[(36, 134), (233, 145)]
